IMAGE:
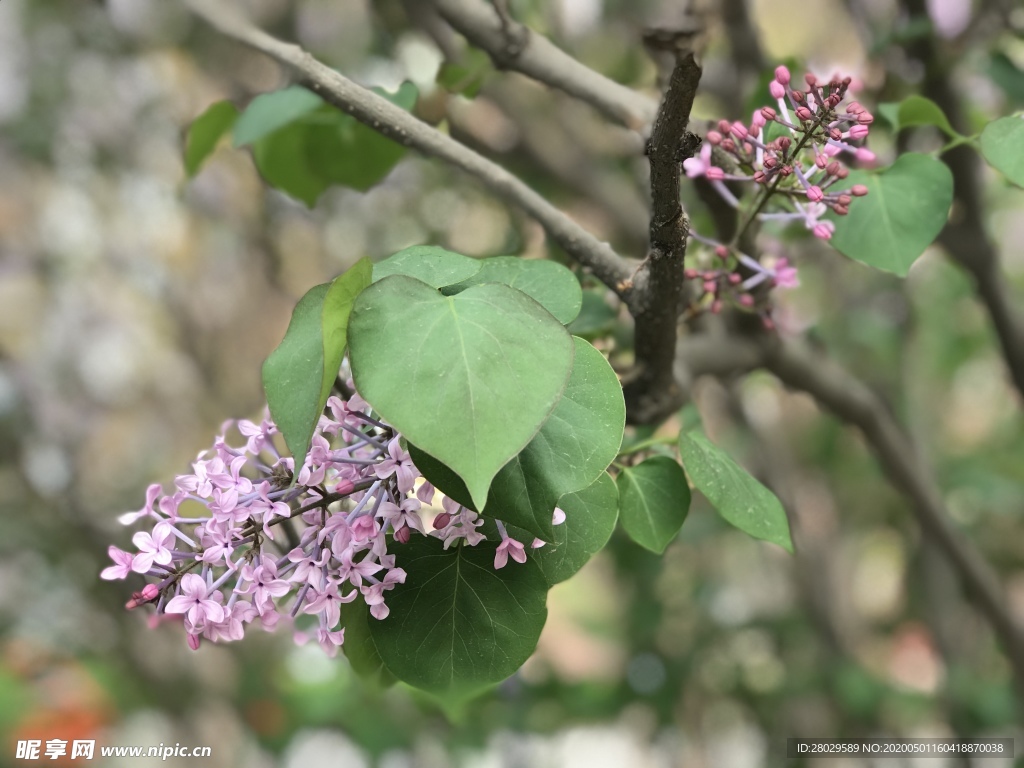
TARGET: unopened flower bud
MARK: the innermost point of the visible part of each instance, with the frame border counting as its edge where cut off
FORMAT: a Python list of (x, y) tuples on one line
[(689, 274), (746, 300), (724, 126), (814, 194), (193, 641), (403, 534), (844, 200), (150, 592), (821, 161), (722, 251), (714, 138), (715, 174), (865, 118), (785, 143), (760, 177), (804, 114), (735, 278), (824, 230), (833, 168), (442, 521), (810, 79), (835, 134), (768, 113), (739, 130), (728, 145), (770, 162), (841, 210), (798, 97), (710, 286), (866, 156), (776, 89), (716, 306), (842, 173), (858, 190), (858, 131), (782, 74)]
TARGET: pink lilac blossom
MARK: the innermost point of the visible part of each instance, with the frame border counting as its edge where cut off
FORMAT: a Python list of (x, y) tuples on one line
[(237, 543), (791, 157)]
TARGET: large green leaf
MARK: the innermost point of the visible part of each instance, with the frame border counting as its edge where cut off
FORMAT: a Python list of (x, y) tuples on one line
[(904, 211), (468, 378), (552, 285), (590, 517), (432, 265), (572, 449), (359, 646), (205, 133), (915, 111), (270, 112), (293, 373), (337, 307), (1002, 144), (740, 499), (456, 625), (654, 499)]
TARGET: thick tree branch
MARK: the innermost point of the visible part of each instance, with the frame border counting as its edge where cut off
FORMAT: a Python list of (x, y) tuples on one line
[(516, 47), (965, 236), (856, 404), (397, 124), (652, 392)]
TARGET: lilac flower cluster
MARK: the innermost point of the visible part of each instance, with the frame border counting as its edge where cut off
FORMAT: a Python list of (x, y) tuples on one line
[(791, 155), (242, 539)]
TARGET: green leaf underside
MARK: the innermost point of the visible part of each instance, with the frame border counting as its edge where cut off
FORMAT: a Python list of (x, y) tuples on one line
[(302, 146), (904, 211), (457, 626), (549, 283), (359, 646), (468, 378), (205, 133), (337, 306), (572, 449), (429, 264), (270, 112), (915, 111), (590, 517), (740, 499), (293, 373), (1002, 144), (654, 499)]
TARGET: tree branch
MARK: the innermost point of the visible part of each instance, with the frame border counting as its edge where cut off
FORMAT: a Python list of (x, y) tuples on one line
[(652, 392), (514, 46), (397, 124), (856, 404)]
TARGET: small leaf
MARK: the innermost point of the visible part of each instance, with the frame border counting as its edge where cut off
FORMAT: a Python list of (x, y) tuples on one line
[(653, 501), (905, 209), (205, 133), (283, 161), (572, 449), (336, 309), (468, 378), (293, 372), (550, 284), (457, 626), (270, 112), (1002, 144), (590, 517), (465, 77), (596, 316), (359, 647), (429, 264), (915, 111), (740, 499)]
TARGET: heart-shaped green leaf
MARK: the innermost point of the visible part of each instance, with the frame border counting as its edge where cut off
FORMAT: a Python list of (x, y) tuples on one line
[(914, 111), (552, 285), (270, 112), (468, 378), (740, 499), (1002, 144), (590, 517), (292, 374), (337, 307), (654, 499), (573, 447), (359, 646), (458, 626), (905, 209), (205, 133), (432, 265)]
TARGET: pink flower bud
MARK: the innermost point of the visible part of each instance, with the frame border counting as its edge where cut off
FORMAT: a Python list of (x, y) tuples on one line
[(345, 487), (785, 143), (442, 521), (716, 306), (767, 113), (760, 177), (193, 641), (715, 174), (689, 274), (782, 74), (858, 131), (844, 200), (758, 119), (150, 592), (710, 286), (866, 156), (735, 279), (714, 138), (810, 79), (722, 252), (776, 89), (859, 190), (835, 134), (854, 108), (821, 161), (814, 194), (724, 126), (728, 145), (739, 130), (804, 114), (824, 230), (770, 162), (798, 97), (746, 300), (865, 118), (403, 534), (841, 210), (786, 171), (833, 168)]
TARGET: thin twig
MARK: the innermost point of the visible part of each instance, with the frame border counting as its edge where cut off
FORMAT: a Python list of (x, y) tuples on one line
[(397, 124)]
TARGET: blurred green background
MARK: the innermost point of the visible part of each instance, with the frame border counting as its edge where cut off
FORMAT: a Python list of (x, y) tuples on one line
[(136, 308)]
